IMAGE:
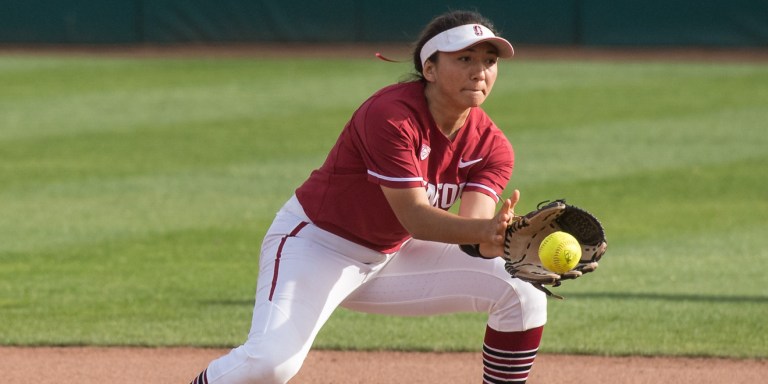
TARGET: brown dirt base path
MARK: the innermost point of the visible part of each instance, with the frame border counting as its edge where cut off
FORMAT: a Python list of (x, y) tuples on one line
[(22, 365)]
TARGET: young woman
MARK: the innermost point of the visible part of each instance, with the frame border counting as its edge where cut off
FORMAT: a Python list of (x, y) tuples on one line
[(370, 231)]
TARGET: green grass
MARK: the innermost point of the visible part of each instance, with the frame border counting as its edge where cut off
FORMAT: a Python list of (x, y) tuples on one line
[(134, 194)]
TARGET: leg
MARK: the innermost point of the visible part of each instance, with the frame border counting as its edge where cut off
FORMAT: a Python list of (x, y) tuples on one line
[(508, 356), (427, 278), (303, 276)]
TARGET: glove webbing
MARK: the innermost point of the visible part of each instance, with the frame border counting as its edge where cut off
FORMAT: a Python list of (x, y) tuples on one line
[(583, 226)]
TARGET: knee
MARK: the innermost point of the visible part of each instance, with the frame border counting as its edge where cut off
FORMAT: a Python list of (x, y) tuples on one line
[(522, 306)]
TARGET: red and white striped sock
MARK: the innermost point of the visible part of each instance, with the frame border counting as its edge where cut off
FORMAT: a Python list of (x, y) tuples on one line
[(508, 356), (202, 379)]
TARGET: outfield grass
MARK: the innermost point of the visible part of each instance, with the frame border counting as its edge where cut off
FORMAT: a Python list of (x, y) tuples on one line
[(134, 194)]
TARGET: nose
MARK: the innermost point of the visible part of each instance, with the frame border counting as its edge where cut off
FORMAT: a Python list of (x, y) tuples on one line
[(478, 72)]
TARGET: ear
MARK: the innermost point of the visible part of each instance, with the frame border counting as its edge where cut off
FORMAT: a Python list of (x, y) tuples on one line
[(429, 71)]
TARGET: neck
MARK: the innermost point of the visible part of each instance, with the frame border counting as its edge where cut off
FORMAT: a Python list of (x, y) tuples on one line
[(448, 118)]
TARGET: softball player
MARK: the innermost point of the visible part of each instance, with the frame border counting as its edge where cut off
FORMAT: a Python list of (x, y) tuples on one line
[(370, 231)]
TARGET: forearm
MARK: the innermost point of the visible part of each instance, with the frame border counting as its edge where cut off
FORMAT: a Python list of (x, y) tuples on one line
[(434, 224), (423, 221)]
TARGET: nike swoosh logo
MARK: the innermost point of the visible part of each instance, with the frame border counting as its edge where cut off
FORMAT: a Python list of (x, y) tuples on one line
[(464, 164)]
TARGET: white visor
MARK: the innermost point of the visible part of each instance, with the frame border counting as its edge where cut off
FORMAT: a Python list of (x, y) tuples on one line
[(464, 36)]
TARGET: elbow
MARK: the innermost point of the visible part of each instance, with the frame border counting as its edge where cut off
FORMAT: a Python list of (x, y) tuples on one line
[(413, 229), (418, 229), (418, 234)]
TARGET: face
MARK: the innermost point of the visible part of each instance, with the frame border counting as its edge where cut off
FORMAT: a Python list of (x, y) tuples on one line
[(464, 78)]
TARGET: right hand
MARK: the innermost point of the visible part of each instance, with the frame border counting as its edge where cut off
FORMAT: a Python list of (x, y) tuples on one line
[(499, 223)]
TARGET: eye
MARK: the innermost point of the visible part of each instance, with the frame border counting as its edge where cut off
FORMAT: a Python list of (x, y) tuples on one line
[(465, 58), (492, 61)]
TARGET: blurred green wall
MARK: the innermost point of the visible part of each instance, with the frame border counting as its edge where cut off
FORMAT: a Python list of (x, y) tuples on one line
[(557, 22)]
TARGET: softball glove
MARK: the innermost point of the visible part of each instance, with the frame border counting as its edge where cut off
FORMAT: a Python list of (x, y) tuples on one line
[(525, 233)]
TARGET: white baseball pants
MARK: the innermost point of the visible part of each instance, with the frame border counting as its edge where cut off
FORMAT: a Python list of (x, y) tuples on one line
[(306, 273)]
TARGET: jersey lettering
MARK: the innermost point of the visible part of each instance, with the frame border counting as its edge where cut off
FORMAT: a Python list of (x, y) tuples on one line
[(444, 195)]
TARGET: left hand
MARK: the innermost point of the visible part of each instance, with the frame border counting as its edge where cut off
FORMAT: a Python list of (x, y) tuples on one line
[(524, 236)]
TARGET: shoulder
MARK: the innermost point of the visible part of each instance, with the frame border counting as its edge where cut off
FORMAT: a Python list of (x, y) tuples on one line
[(482, 125), (485, 137), (409, 89), (480, 120), (401, 96), (394, 105)]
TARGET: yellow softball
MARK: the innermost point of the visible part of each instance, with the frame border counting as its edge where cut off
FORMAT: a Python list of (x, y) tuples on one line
[(559, 252)]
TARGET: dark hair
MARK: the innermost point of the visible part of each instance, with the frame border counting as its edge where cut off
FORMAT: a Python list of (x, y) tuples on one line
[(442, 23)]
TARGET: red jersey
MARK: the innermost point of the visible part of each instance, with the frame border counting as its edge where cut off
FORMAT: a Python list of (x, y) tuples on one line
[(392, 140)]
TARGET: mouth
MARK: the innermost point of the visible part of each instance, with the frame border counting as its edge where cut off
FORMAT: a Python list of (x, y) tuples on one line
[(478, 91)]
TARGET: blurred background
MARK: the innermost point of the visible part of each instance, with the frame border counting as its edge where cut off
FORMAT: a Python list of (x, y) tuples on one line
[(722, 23)]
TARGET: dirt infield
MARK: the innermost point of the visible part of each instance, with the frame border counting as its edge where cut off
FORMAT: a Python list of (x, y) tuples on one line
[(179, 365)]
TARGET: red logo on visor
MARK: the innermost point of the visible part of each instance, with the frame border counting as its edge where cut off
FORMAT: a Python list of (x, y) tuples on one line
[(478, 30)]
